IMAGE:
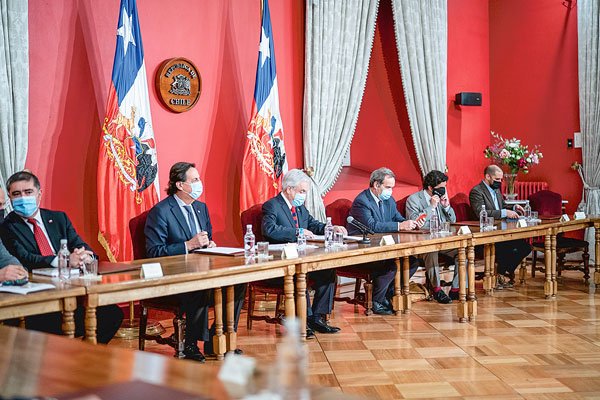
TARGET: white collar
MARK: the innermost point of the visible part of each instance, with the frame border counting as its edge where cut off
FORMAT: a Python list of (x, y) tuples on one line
[(289, 205), (427, 196), (37, 217), (180, 202), (377, 199)]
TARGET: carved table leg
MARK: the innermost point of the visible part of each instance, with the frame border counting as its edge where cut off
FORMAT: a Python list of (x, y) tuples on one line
[(553, 265), (90, 318), (231, 335), (487, 270), (471, 298), (68, 315), (397, 299), (523, 272), (462, 286), (219, 342), (406, 304), (301, 301), (548, 266), (288, 290)]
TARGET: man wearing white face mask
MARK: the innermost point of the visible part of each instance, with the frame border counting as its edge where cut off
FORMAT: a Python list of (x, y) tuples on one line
[(178, 225), (283, 215), (376, 208)]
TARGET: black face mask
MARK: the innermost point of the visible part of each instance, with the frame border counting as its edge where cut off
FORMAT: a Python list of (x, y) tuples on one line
[(496, 185), (441, 191)]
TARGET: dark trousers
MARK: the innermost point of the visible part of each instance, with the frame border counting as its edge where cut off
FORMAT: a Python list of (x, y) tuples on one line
[(383, 274), (323, 283), (195, 306), (108, 322), (510, 254)]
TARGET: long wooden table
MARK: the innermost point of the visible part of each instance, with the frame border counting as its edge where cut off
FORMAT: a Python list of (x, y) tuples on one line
[(198, 272), (38, 364)]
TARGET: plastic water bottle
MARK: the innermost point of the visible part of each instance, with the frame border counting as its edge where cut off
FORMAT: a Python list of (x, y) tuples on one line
[(482, 218), (249, 241), (434, 222), (527, 209), (64, 269), (328, 234), (292, 364), (301, 240)]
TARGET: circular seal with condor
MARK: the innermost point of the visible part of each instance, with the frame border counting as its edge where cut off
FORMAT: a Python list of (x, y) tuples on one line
[(178, 84)]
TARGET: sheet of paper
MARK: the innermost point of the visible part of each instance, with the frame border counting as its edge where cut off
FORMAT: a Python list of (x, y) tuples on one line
[(27, 288), (224, 251), (53, 272), (279, 247), (321, 238)]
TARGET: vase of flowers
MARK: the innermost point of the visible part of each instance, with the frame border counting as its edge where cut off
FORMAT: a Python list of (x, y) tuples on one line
[(513, 157)]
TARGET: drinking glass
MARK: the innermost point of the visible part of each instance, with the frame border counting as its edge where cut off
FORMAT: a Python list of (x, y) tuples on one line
[(263, 250), (338, 239), (434, 226), (445, 228), (489, 224), (534, 215), (90, 267)]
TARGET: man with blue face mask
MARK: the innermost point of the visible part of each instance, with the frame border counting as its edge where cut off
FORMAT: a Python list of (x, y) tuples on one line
[(283, 215), (376, 208), (180, 224), (33, 234)]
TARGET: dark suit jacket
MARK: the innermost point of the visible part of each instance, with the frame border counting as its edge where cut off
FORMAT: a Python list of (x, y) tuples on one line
[(20, 242), (365, 209), (481, 195), (167, 228), (6, 258), (278, 225)]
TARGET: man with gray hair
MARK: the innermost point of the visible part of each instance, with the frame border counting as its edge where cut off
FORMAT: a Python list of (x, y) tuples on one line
[(376, 208), (283, 216)]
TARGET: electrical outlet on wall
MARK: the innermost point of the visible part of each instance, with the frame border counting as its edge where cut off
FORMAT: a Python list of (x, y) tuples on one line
[(577, 140)]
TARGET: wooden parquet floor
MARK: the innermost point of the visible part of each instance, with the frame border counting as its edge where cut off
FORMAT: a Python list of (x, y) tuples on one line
[(520, 347)]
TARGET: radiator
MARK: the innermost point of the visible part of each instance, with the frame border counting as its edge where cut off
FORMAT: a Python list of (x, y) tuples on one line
[(526, 189)]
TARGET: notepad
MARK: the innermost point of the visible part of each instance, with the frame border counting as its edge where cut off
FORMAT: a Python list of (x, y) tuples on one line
[(53, 272), (27, 288)]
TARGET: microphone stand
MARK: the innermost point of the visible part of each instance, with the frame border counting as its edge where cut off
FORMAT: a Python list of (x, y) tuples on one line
[(365, 238)]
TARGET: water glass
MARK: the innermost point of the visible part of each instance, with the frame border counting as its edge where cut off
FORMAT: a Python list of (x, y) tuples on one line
[(489, 224), (262, 250), (338, 239), (445, 228), (90, 267), (534, 216), (434, 226)]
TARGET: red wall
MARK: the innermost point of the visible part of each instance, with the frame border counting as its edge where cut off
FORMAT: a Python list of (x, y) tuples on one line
[(72, 46), (383, 132), (534, 87)]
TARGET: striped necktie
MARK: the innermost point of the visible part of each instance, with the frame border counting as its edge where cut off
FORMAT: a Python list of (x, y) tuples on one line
[(295, 216)]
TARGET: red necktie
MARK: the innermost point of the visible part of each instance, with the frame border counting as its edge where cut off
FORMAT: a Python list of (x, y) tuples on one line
[(295, 216), (40, 239)]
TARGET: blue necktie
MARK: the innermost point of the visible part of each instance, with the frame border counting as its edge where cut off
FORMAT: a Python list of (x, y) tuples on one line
[(191, 220), (381, 209)]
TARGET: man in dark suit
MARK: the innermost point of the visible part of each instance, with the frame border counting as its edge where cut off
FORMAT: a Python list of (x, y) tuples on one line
[(487, 193), (10, 268), (180, 224), (283, 215), (32, 234), (2, 204), (376, 208)]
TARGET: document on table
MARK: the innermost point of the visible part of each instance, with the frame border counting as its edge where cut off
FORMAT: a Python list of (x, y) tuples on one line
[(26, 288), (53, 272), (321, 238), (221, 251), (279, 247)]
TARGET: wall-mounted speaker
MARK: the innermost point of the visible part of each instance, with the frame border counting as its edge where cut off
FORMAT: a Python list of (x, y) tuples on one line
[(468, 99)]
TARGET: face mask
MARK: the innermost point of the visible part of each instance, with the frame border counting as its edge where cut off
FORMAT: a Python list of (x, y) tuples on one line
[(299, 199), (496, 185), (441, 191), (25, 206), (385, 194), (197, 189)]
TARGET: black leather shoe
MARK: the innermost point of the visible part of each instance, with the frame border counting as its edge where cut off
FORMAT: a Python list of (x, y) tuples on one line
[(454, 294), (441, 297), (380, 309), (317, 324), (310, 334), (192, 352)]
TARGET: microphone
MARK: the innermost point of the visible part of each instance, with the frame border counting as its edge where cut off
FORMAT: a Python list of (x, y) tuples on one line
[(362, 227)]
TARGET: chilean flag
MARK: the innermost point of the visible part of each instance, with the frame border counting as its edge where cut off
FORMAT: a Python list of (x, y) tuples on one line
[(264, 155), (127, 164)]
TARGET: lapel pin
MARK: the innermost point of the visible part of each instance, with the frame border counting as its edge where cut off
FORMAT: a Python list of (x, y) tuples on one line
[(50, 221)]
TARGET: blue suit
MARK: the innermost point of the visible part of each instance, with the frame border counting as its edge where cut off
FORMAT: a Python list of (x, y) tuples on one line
[(381, 220), (278, 227), (167, 230)]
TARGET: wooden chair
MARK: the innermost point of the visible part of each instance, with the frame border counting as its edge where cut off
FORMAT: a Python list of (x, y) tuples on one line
[(166, 303), (339, 211), (546, 202), (462, 207), (253, 216)]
